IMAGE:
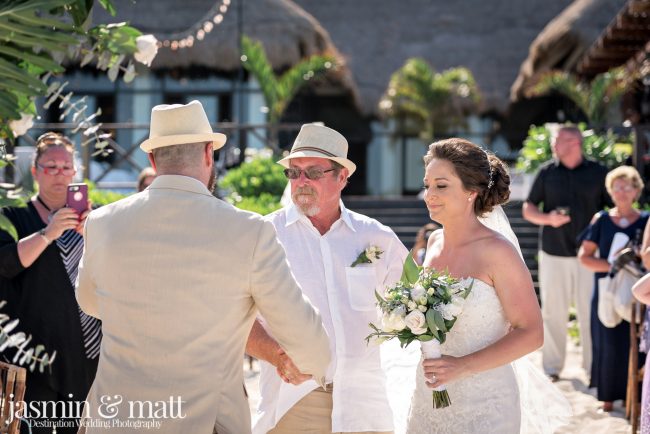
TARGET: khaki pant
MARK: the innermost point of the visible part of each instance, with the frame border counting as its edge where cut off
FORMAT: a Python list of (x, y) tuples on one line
[(311, 415), (562, 280)]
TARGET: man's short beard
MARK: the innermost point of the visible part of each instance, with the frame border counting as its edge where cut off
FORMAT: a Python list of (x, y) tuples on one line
[(306, 206)]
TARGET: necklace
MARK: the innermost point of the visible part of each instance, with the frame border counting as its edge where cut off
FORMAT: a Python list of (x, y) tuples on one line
[(38, 198), (624, 221)]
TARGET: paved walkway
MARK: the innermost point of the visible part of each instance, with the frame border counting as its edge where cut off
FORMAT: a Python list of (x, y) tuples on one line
[(587, 419)]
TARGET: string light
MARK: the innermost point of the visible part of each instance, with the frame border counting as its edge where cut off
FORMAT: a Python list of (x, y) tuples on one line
[(197, 32)]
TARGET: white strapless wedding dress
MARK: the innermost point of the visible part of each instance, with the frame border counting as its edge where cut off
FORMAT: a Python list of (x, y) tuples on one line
[(487, 402)]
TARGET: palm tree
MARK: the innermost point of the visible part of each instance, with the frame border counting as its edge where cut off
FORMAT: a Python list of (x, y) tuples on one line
[(279, 91), (595, 98), (429, 102)]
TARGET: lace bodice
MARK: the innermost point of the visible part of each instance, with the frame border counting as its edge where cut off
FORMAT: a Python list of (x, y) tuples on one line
[(485, 402), (481, 323)]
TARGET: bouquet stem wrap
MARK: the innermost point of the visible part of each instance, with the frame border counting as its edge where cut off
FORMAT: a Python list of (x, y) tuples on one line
[(431, 350)]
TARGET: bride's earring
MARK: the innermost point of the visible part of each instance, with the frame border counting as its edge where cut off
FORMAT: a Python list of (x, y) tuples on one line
[(469, 198)]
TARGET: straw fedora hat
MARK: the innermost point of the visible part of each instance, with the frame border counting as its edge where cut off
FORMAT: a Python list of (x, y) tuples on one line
[(318, 141), (177, 124)]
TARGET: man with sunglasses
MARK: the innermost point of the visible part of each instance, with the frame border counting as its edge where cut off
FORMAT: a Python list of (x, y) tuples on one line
[(322, 240)]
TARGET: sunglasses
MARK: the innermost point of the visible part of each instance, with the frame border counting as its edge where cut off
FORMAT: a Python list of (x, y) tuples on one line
[(54, 170), (313, 173)]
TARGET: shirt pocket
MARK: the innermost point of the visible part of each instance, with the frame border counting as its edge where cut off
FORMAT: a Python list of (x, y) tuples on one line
[(362, 283)]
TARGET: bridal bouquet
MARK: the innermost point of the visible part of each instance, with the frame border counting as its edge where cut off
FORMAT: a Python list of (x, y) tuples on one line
[(423, 306)]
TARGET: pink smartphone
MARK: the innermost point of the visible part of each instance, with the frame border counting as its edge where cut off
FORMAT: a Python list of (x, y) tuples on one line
[(77, 197)]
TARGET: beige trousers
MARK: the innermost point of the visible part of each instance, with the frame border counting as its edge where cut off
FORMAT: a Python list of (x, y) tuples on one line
[(311, 415), (562, 281)]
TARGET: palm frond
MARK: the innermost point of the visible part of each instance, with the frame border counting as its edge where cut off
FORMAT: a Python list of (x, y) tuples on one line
[(260, 67), (292, 80), (428, 100), (278, 92), (594, 98)]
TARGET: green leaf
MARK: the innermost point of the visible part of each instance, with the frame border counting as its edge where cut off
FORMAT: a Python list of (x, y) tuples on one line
[(79, 10), (15, 8), (425, 338), (108, 5), (7, 226), (439, 320), (28, 17), (431, 321), (41, 60), (410, 271)]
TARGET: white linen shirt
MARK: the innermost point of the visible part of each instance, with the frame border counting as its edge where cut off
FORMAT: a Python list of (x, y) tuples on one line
[(345, 297)]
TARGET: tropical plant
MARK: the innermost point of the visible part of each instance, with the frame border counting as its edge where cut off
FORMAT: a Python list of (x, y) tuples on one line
[(19, 341), (256, 185), (607, 147), (263, 204), (279, 91), (38, 36), (595, 98), (426, 102), (99, 197)]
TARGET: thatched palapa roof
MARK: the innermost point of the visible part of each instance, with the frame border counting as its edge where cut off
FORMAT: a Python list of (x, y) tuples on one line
[(491, 38), (287, 32), (565, 40), (625, 40)]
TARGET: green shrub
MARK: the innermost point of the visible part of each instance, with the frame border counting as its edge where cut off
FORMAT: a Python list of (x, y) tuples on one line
[(263, 204), (252, 178), (256, 185), (100, 197), (608, 148)]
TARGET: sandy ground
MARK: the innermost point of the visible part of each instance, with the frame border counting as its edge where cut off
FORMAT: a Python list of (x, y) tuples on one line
[(587, 418)]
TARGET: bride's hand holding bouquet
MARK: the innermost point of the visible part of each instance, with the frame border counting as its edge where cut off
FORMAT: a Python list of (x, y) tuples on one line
[(423, 307)]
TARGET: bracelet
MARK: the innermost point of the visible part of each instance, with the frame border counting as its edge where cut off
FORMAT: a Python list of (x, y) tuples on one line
[(42, 234)]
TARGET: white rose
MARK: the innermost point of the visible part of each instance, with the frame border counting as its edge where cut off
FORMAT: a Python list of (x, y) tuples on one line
[(446, 311), (430, 291), (394, 321), (147, 49), (422, 308), (416, 322), (20, 126), (418, 292), (412, 305), (372, 253), (452, 310)]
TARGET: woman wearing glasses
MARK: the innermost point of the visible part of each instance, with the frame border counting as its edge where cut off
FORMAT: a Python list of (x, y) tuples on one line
[(37, 275), (611, 345)]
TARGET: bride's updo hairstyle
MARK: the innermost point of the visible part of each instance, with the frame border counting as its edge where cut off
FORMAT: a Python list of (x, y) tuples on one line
[(477, 169)]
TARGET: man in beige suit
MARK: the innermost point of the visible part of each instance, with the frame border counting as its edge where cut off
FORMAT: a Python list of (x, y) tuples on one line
[(177, 278)]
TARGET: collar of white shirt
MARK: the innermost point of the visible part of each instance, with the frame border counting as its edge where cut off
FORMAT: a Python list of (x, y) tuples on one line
[(294, 215)]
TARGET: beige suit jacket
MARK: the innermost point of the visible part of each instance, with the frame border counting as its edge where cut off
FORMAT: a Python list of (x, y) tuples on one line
[(177, 278)]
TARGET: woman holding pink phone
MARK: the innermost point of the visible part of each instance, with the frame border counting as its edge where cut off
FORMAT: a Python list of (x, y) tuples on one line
[(37, 275)]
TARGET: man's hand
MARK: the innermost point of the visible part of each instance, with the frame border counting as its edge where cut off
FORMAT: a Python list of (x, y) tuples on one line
[(555, 219), (288, 371)]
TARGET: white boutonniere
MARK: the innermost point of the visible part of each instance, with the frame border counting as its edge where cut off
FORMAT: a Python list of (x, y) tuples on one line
[(368, 256)]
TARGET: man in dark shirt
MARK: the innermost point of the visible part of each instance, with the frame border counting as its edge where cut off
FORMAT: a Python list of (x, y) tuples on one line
[(570, 189)]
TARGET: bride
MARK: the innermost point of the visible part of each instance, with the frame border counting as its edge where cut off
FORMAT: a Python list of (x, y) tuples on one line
[(501, 319)]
